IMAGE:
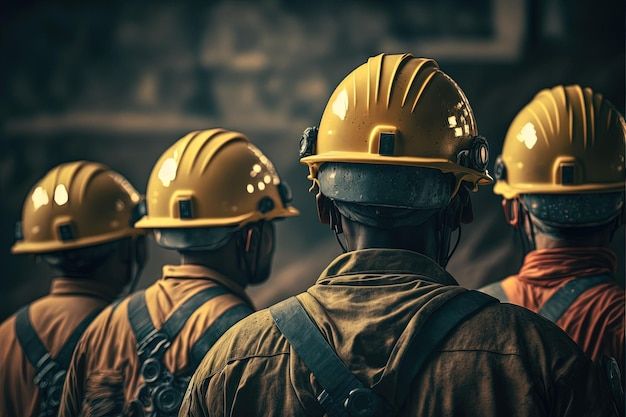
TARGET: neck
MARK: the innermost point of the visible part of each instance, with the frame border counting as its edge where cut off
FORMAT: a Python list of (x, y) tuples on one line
[(421, 239), (220, 261)]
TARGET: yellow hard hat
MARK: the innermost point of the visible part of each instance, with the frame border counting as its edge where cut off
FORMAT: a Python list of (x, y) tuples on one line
[(397, 109), (214, 178), (77, 204), (566, 140)]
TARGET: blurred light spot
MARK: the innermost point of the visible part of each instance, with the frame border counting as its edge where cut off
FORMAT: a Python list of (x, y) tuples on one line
[(261, 185), (267, 179), (167, 173), (466, 127), (35, 230), (256, 168), (520, 165), (452, 121), (340, 105), (276, 180), (119, 205), (250, 188), (60, 195), (40, 198), (528, 135), (114, 224), (458, 132)]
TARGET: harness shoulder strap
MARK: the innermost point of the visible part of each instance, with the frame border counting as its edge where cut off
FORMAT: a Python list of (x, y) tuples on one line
[(143, 328), (216, 330), (496, 291), (32, 346), (65, 354), (561, 301), (435, 331), (342, 390)]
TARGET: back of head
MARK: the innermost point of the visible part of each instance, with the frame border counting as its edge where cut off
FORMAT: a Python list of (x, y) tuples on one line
[(210, 196), (397, 143), (563, 162), (208, 185), (77, 215)]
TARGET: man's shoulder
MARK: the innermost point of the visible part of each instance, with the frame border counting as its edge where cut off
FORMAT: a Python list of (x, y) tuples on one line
[(108, 325), (255, 336), (505, 328)]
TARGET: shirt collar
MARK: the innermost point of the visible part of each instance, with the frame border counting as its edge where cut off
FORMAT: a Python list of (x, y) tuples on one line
[(192, 271), (386, 262), (84, 287)]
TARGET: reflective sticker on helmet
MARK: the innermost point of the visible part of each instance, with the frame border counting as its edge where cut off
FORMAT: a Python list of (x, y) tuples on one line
[(167, 173), (528, 135), (60, 195), (40, 198), (340, 105)]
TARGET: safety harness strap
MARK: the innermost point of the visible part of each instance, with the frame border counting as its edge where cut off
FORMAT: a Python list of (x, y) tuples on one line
[(141, 322), (344, 394), (496, 291), (561, 301), (36, 352), (434, 332), (65, 354), (317, 354), (32, 346), (216, 330), (50, 372)]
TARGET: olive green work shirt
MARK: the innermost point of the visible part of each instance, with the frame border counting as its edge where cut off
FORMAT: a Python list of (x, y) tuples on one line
[(503, 361)]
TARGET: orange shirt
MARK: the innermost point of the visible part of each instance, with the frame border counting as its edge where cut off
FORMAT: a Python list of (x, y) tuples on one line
[(54, 318), (105, 366), (596, 319)]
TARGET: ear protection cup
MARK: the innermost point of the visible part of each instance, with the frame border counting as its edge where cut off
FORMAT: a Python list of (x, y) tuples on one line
[(323, 208), (467, 211)]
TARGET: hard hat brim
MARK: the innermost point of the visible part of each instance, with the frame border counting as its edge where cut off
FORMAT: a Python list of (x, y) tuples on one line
[(148, 222), (441, 164), (507, 191), (22, 247)]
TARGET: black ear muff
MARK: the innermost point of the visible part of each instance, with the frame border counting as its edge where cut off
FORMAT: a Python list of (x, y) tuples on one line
[(248, 239), (467, 211), (335, 219), (324, 207)]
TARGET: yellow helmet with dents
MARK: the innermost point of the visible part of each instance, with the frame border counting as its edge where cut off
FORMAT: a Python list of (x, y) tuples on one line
[(567, 140), (397, 109), (214, 178), (75, 205)]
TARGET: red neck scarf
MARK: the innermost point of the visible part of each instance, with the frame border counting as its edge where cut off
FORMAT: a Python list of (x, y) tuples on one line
[(548, 267)]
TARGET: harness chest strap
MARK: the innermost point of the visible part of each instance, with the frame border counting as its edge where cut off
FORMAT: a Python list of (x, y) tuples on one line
[(343, 393), (50, 372), (162, 390)]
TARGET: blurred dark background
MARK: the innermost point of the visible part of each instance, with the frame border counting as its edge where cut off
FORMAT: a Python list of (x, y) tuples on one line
[(118, 82)]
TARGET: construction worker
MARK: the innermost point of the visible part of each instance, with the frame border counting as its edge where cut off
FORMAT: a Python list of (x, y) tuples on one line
[(213, 197), (386, 330), (78, 219), (561, 178)]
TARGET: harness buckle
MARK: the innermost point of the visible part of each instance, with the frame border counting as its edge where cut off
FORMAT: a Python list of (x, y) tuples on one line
[(153, 345), (362, 402), (45, 366)]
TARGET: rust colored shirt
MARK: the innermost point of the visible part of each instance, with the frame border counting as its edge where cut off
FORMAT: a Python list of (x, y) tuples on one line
[(54, 318), (596, 319), (105, 370), (504, 361)]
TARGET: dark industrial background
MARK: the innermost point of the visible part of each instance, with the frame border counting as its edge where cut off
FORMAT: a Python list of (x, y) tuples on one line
[(118, 82)]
